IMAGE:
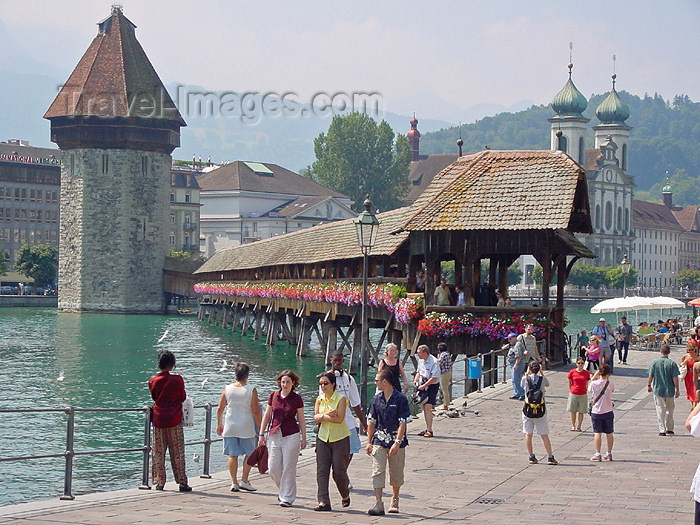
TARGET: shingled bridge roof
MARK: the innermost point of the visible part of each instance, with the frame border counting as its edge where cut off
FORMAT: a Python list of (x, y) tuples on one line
[(505, 190), (325, 242)]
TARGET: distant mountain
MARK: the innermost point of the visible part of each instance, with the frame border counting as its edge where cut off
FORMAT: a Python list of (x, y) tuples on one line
[(286, 140), (426, 103), (664, 138)]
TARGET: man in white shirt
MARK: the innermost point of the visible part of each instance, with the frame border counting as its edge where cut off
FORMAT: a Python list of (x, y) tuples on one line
[(427, 381)]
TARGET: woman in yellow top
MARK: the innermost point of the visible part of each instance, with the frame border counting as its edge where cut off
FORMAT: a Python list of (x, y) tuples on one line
[(332, 442)]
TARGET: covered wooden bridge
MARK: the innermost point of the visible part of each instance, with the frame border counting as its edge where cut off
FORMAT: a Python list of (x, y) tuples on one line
[(494, 205)]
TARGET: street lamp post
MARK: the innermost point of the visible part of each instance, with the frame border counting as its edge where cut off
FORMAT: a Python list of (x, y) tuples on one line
[(625, 266), (366, 226)]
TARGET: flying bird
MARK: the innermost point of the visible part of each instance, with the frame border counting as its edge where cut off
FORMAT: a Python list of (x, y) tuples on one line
[(205, 381), (61, 375), (223, 366), (162, 337)]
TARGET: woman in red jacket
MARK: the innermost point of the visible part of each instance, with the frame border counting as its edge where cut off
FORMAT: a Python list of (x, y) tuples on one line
[(168, 393)]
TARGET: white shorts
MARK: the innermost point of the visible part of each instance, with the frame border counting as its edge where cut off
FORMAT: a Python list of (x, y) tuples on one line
[(539, 424)]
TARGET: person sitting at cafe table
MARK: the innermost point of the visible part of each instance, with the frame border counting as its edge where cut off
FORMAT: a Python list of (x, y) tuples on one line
[(644, 328)]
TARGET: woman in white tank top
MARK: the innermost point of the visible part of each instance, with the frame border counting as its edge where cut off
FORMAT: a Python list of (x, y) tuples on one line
[(237, 417)]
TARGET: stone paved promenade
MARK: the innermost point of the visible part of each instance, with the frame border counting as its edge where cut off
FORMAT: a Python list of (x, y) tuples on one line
[(474, 470)]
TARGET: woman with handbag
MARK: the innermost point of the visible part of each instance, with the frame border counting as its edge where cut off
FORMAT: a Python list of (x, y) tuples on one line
[(686, 372), (287, 435), (168, 393), (600, 391), (237, 417), (332, 442)]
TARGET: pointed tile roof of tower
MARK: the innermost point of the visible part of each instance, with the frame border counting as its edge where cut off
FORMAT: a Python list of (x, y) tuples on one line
[(114, 78)]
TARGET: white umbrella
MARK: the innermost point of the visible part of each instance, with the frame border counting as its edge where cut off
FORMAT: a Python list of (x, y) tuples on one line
[(666, 302), (622, 304)]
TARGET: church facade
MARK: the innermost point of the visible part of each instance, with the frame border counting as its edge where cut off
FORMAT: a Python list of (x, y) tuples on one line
[(610, 186)]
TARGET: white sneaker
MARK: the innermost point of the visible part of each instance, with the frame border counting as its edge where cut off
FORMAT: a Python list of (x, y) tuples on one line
[(394, 508), (235, 487), (247, 486)]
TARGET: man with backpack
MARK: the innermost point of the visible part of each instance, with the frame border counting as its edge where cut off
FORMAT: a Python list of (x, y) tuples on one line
[(534, 411)]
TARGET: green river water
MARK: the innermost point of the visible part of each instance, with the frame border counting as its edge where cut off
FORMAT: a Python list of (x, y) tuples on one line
[(106, 362)]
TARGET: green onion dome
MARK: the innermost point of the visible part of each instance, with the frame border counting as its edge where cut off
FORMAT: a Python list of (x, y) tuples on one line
[(613, 110), (569, 102)]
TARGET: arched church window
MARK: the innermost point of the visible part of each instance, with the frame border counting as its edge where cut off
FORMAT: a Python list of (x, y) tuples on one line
[(597, 215), (564, 144), (624, 157), (618, 222), (581, 152), (608, 215), (627, 220)]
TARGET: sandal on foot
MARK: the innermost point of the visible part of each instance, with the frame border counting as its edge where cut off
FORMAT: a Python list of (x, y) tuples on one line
[(422, 432), (322, 507), (428, 434), (346, 502)]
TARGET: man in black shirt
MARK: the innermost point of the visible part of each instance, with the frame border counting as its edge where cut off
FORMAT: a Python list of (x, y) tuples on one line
[(386, 440)]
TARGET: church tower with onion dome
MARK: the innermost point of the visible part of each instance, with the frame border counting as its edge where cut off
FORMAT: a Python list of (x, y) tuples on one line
[(568, 126), (612, 114), (116, 127)]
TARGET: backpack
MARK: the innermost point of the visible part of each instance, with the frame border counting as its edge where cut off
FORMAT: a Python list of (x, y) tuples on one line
[(534, 406)]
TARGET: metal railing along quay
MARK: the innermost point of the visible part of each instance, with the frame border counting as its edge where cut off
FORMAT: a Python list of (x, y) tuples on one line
[(144, 450), (492, 369)]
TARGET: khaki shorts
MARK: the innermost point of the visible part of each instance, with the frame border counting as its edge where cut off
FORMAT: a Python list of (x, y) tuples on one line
[(531, 424), (577, 403), (380, 457)]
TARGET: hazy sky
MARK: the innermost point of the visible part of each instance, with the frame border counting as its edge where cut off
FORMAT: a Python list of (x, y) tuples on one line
[(421, 56)]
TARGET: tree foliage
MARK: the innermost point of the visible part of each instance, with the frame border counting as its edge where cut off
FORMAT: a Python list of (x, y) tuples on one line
[(38, 261), (664, 138), (515, 273), (359, 157), (593, 276), (3, 263), (615, 279), (689, 277)]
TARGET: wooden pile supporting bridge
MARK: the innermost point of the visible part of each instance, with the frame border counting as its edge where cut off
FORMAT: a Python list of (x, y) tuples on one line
[(337, 327)]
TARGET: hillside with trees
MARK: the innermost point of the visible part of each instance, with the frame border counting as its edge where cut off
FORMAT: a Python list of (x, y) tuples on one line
[(664, 139)]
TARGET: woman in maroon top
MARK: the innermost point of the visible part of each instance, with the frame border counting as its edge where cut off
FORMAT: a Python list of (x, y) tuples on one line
[(287, 435), (168, 393)]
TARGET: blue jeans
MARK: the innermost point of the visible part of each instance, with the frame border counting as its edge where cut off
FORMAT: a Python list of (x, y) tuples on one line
[(609, 354), (517, 374)]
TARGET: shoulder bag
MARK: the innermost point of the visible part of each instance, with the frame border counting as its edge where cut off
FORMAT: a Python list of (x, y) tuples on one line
[(602, 393)]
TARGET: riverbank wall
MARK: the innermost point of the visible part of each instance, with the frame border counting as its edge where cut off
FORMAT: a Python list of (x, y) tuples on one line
[(44, 301)]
